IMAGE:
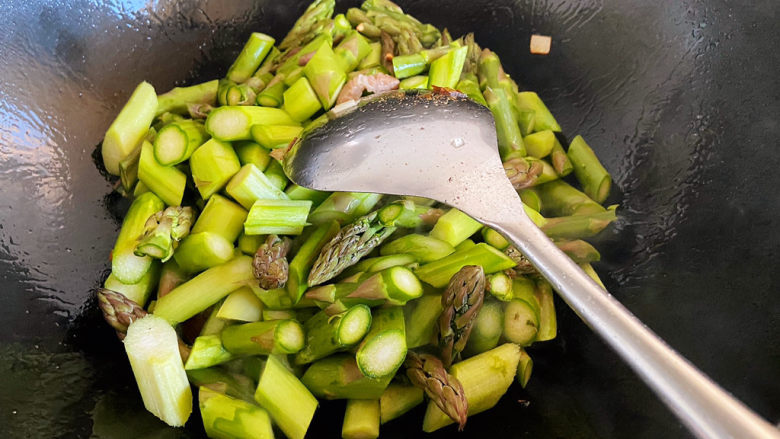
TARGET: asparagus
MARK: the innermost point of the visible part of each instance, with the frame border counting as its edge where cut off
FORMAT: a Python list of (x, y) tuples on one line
[(163, 231), (178, 99), (234, 122), (500, 286), (140, 291), (438, 273), (414, 82), (278, 314), (171, 276), (454, 227), (465, 245), (222, 217), (487, 330), (561, 199), (578, 226), (248, 244), (423, 248), (200, 251), (350, 244), (509, 137), (398, 399), (325, 75), (421, 318), (530, 198), (344, 207), (296, 192), (300, 100), (168, 183), (524, 368), (177, 141), (199, 111), (118, 310), (126, 267), (275, 136), (526, 118), (276, 299), (241, 305), (304, 258), (560, 160), (213, 165), (543, 119), (338, 377), (284, 217), (488, 67), (394, 286), (251, 152), (521, 322), (130, 127), (588, 269), (427, 372), (383, 349), (405, 66), (595, 180), (263, 338), (485, 378), (523, 265), (204, 290), (270, 262), (326, 334), (317, 10), (445, 71), (287, 400), (226, 417), (379, 263), (250, 58), (460, 302), (579, 251), (374, 56), (548, 323), (352, 49), (128, 168), (153, 350), (207, 351), (249, 185), (273, 94), (276, 175), (522, 173), (225, 382), (539, 144), (494, 238), (389, 17), (470, 85), (361, 419)]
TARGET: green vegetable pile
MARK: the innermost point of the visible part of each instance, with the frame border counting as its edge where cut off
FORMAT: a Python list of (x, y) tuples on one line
[(264, 296)]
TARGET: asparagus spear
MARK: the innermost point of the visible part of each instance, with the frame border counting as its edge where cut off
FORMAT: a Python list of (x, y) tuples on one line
[(130, 127), (423, 248), (251, 152), (166, 182), (250, 58), (591, 174), (438, 273), (421, 318), (509, 137), (213, 164), (460, 303), (522, 173), (350, 244), (470, 85), (138, 292), (177, 141), (125, 265), (171, 276), (207, 351), (500, 286), (284, 217), (325, 75), (128, 168), (338, 377), (234, 122), (220, 380), (560, 160), (276, 175), (540, 143), (383, 349), (300, 100), (445, 71), (561, 199), (317, 10), (487, 330), (326, 334), (241, 305), (296, 192), (361, 419), (290, 404), (524, 368), (200, 251), (578, 226), (153, 350), (405, 66), (455, 227), (427, 372), (222, 217), (579, 251), (204, 290), (226, 417), (485, 378), (263, 338), (118, 310), (393, 286), (270, 262), (344, 207), (379, 263), (548, 323), (249, 185), (178, 99), (398, 399), (163, 231), (304, 258)]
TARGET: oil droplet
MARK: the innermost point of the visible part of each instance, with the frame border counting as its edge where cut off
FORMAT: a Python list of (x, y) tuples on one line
[(457, 142)]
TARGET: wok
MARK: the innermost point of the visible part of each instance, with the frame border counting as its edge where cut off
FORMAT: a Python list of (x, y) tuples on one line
[(679, 100)]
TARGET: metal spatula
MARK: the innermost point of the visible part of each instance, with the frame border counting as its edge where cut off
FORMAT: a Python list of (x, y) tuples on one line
[(444, 147)]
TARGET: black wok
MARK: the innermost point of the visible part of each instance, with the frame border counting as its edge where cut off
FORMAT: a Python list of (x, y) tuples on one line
[(679, 99)]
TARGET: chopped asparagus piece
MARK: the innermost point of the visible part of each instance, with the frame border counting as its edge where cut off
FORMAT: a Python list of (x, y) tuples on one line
[(276, 175), (125, 265), (140, 291), (275, 136), (487, 330), (178, 99), (561, 199), (263, 338), (361, 419), (251, 56), (153, 350), (213, 165), (524, 368), (548, 323), (300, 100), (130, 127), (521, 322), (454, 227), (225, 382), (207, 351), (281, 217), (543, 119), (287, 400), (421, 317), (445, 71), (241, 305), (251, 152), (222, 217), (250, 185), (226, 417), (394, 286), (438, 273), (494, 238), (177, 141), (500, 286), (166, 182), (344, 207), (203, 250), (296, 192), (325, 75), (398, 399), (588, 269), (383, 349), (423, 248), (540, 143), (589, 171), (305, 257), (338, 377), (326, 334)]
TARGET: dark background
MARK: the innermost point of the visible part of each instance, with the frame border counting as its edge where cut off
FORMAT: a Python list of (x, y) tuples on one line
[(679, 99)]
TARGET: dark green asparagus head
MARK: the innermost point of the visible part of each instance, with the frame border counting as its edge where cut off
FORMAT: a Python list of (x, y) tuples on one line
[(461, 302), (118, 310), (270, 262), (521, 172), (427, 372)]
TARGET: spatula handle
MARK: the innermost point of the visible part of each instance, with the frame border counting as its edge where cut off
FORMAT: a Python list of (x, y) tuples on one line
[(705, 408)]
